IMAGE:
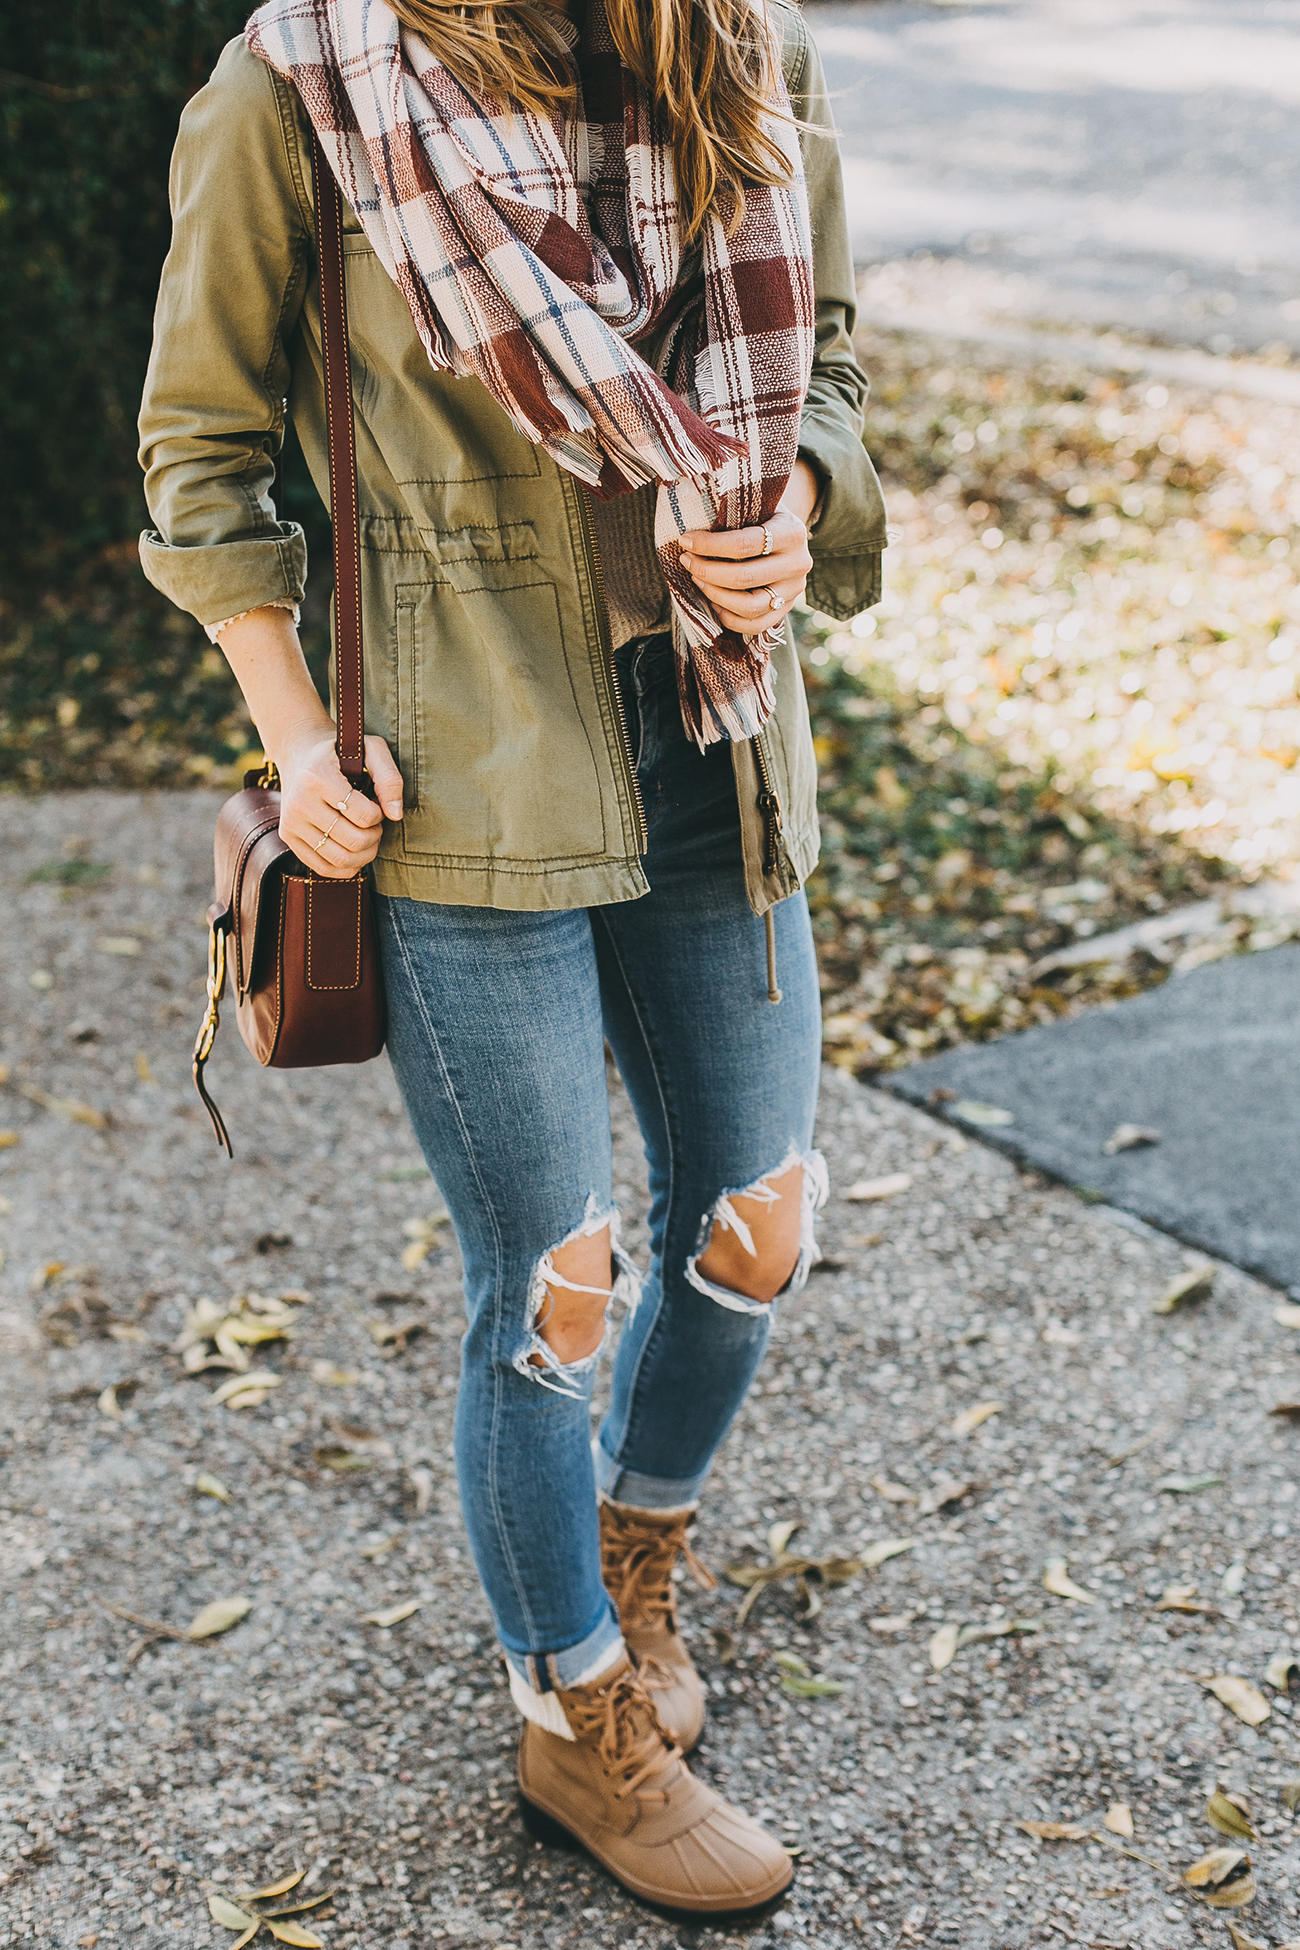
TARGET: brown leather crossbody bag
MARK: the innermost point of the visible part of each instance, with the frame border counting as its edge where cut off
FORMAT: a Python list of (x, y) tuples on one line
[(302, 950)]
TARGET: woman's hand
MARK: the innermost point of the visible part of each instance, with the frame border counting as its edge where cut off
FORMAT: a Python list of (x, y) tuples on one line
[(749, 590), (332, 826)]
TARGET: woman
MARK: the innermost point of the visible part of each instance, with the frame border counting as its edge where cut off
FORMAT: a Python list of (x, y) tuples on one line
[(608, 430)]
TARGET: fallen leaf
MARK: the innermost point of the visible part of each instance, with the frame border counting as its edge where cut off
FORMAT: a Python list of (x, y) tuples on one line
[(1286, 1316), (224, 1912), (340, 1460), (8, 1139), (892, 1492), (865, 1239), (1291, 1795), (1240, 1697), (382, 1548), (143, 1069), (261, 1380), (1119, 1820), (1192, 1285), (970, 1419), (1187, 1485), (218, 1617), (1128, 1137), (281, 1888), (108, 1404), (1241, 1941), (1056, 1831), (118, 944), (725, 1643), (1057, 1335), (66, 1107), (291, 1933), (421, 1481), (1291, 1410), (899, 1624), (125, 1331), (874, 1555), (868, 1190), (800, 1688), (1279, 1669), (997, 1628), (41, 979), (1061, 1585), (972, 1112), (394, 1614), (1181, 1597), (329, 1376), (423, 1236), (1223, 1878), (1233, 1580), (297, 1909), (211, 1486), (1230, 1814), (778, 1537), (246, 1397), (247, 1937), (943, 1491), (943, 1646)]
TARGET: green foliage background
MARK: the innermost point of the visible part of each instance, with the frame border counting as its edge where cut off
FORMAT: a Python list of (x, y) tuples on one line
[(101, 681)]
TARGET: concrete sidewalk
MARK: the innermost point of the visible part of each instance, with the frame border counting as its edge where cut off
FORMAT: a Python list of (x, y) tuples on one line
[(1138, 1448), (1210, 1062)]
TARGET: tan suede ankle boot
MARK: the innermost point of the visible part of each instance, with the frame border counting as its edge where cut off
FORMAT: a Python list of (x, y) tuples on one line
[(621, 1788), (638, 1550)]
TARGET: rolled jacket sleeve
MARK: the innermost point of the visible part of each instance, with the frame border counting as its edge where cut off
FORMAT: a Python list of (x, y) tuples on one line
[(849, 534), (212, 417)]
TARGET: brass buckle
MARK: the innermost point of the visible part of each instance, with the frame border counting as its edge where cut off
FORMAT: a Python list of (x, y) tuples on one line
[(216, 989)]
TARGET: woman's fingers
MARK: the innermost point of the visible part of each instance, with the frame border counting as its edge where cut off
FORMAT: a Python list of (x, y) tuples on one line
[(750, 613), (387, 778), (748, 589), (333, 826)]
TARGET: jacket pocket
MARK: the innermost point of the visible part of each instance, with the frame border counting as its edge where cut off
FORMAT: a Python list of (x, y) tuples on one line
[(494, 751)]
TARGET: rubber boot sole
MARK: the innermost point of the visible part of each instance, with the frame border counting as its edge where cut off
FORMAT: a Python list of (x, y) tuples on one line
[(543, 1827)]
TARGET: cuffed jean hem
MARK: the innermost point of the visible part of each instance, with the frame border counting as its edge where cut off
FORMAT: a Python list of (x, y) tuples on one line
[(644, 1492), (543, 1672)]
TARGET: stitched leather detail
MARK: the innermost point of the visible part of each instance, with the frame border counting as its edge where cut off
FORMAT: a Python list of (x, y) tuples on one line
[(334, 917)]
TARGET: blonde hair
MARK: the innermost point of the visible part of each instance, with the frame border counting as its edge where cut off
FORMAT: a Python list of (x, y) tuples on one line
[(709, 65)]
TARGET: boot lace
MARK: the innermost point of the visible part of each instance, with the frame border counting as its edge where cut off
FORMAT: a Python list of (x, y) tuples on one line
[(638, 1568), (628, 1738)]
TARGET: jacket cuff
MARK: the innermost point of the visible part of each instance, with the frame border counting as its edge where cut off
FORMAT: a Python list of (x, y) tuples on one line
[(223, 579), (849, 535)]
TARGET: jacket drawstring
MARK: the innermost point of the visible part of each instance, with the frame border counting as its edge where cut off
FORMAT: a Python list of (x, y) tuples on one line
[(773, 992)]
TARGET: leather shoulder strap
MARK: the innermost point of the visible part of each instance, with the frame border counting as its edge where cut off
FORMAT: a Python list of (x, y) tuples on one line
[(343, 466)]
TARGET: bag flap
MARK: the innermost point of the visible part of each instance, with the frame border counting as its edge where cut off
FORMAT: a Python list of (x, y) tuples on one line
[(246, 849)]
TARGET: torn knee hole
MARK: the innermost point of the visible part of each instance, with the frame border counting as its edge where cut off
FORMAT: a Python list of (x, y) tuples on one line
[(758, 1243), (577, 1279)]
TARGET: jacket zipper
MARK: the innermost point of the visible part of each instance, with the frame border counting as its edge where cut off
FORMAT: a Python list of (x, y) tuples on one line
[(607, 651), (770, 807)]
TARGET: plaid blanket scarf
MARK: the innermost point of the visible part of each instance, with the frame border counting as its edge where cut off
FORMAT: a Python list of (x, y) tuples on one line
[(534, 251)]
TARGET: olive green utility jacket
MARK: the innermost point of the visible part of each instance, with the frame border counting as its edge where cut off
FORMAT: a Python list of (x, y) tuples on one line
[(487, 650)]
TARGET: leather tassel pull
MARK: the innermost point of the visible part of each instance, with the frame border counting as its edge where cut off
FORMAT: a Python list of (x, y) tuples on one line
[(773, 992), (208, 1030)]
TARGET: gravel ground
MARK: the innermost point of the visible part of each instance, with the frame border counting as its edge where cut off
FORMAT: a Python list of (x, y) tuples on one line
[(381, 1759)]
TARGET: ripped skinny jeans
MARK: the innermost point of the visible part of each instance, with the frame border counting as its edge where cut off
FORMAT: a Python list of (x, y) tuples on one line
[(496, 1031)]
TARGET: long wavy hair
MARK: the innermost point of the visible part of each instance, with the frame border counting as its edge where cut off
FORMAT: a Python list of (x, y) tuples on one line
[(710, 65)]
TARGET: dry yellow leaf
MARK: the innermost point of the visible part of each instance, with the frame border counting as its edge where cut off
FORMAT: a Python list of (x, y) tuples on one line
[(1057, 1580), (291, 1933), (108, 1404), (382, 1548), (8, 1139), (340, 1460), (143, 1068), (329, 1376), (118, 944), (1287, 1316), (1279, 1669), (1181, 1597), (1240, 1941), (394, 1614), (873, 1555), (1240, 1697), (1119, 1820), (260, 1381), (943, 1646), (211, 1486), (247, 1937), (892, 1492), (1192, 1285), (281, 1888), (1223, 1878), (1230, 1814), (943, 1491), (1056, 1831), (1291, 1795), (971, 1418), (869, 1191), (218, 1617), (225, 1912)]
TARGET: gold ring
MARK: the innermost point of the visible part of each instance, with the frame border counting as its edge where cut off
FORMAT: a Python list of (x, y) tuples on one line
[(343, 802), (325, 835), (767, 543)]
